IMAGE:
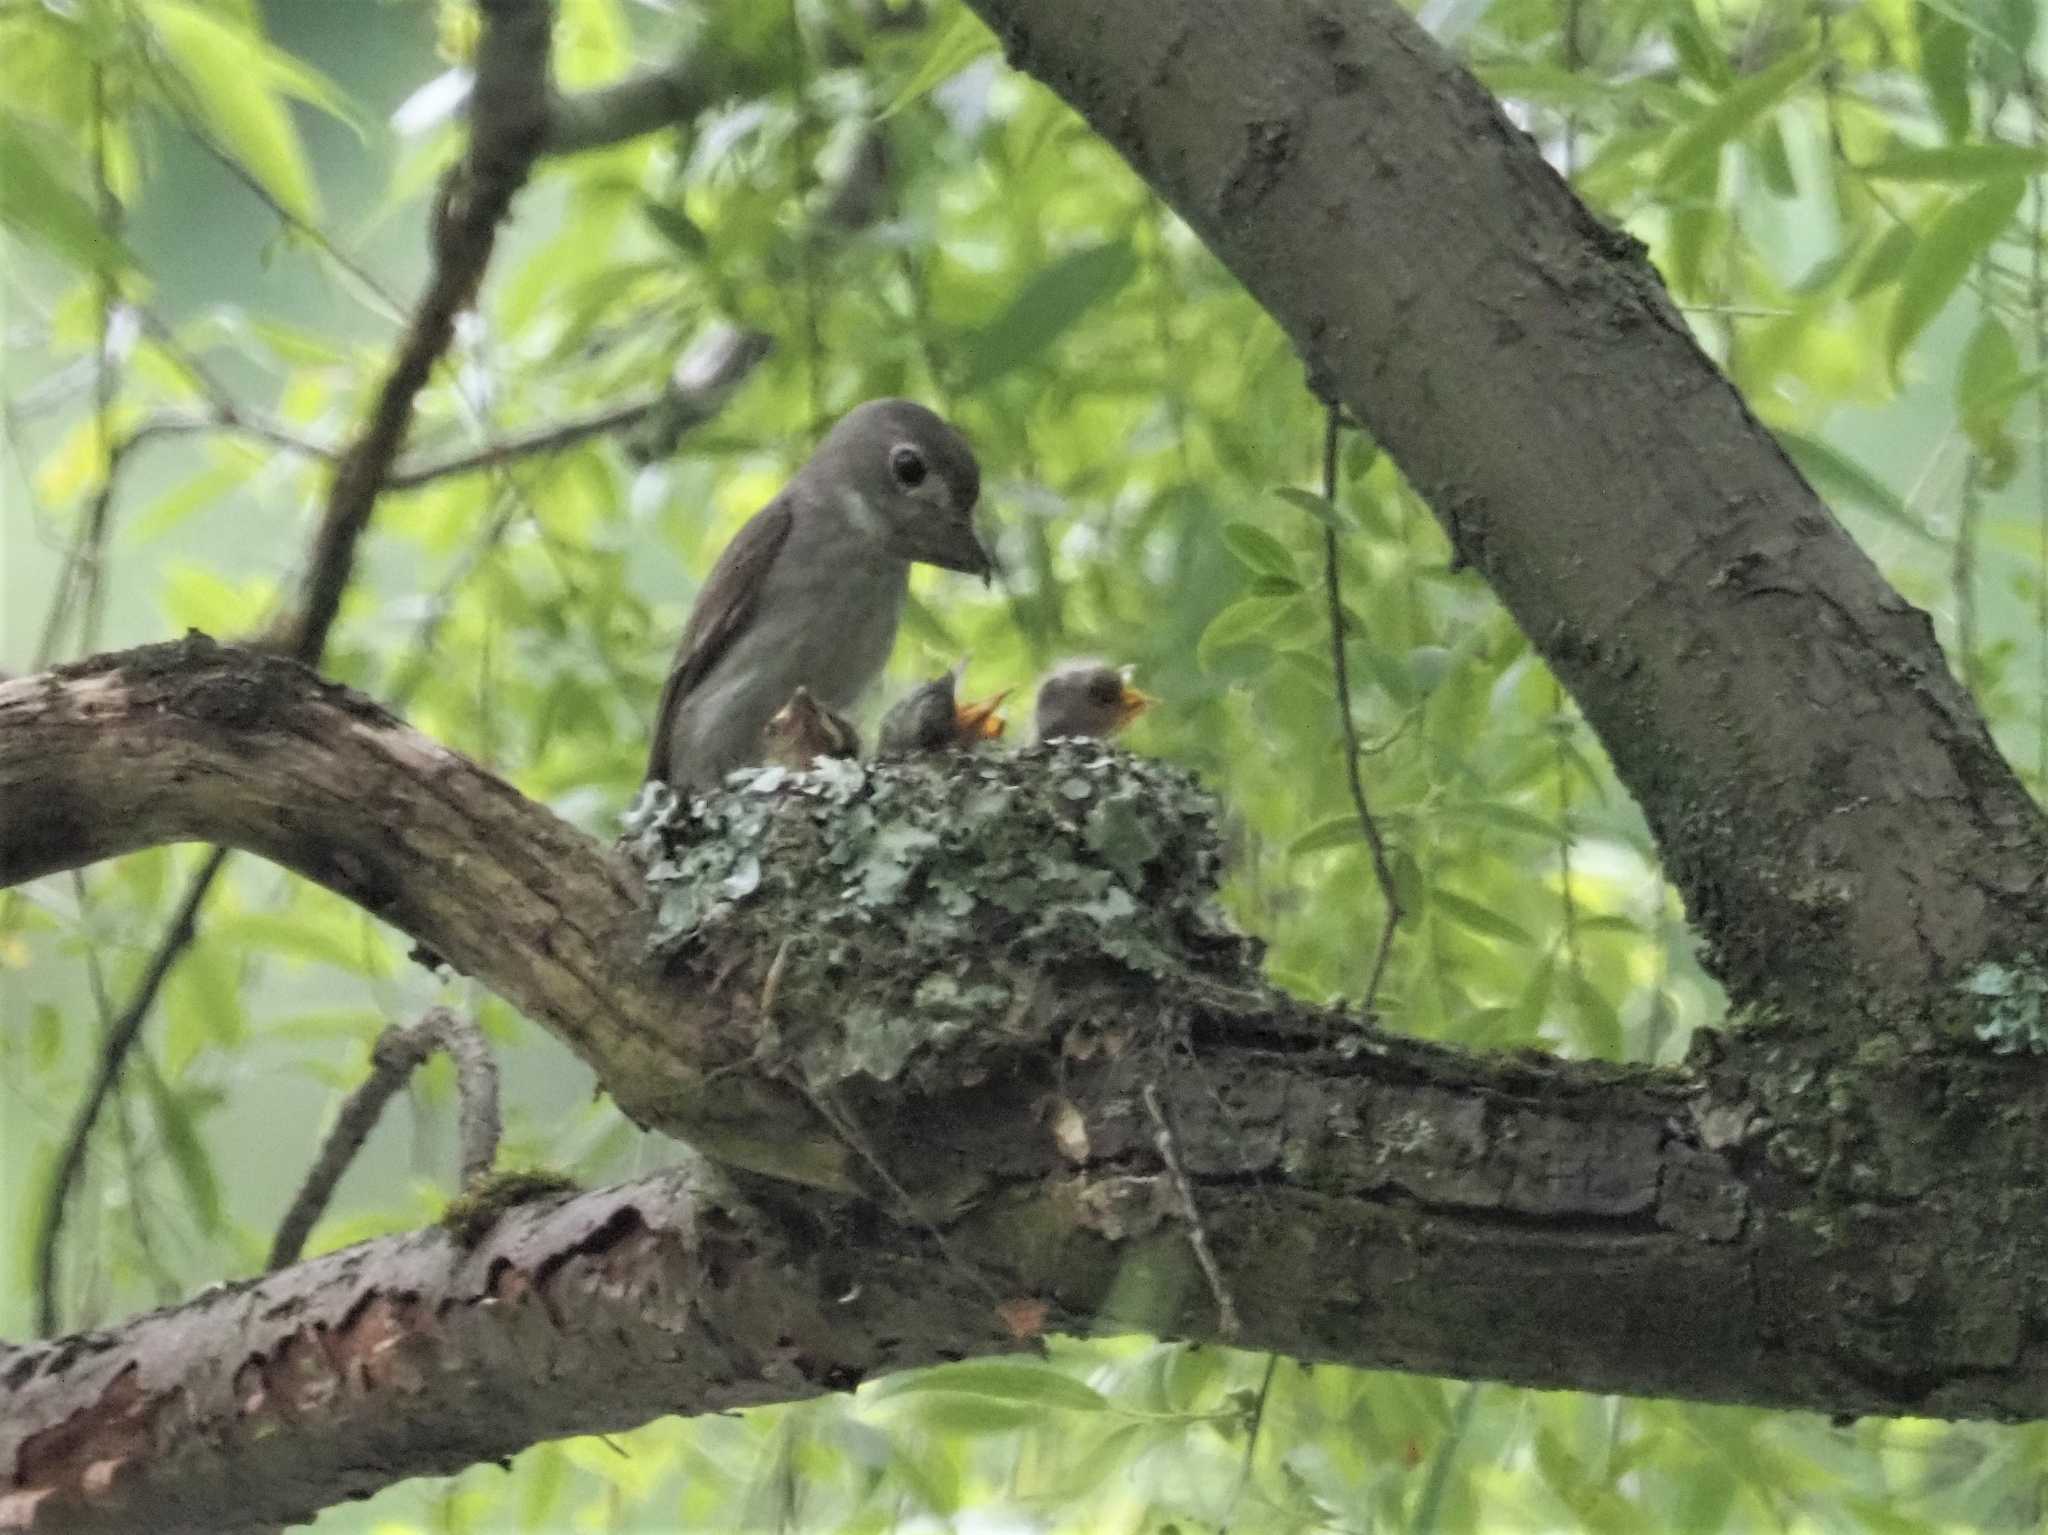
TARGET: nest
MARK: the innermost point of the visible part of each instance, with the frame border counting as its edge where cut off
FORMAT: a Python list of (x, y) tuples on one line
[(924, 917)]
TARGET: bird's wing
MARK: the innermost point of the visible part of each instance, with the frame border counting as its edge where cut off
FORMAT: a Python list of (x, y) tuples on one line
[(729, 596)]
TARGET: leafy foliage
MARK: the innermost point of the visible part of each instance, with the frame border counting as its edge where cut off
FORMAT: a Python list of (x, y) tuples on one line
[(213, 213)]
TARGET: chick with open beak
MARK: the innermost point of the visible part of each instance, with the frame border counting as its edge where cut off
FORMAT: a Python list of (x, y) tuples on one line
[(929, 718), (803, 730), (1087, 698)]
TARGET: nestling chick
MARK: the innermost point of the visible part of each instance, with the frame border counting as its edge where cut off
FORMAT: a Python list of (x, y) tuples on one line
[(804, 730), (928, 719), (1087, 698)]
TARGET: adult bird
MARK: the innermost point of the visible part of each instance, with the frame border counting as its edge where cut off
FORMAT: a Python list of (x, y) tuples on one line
[(1086, 698), (930, 719), (808, 593)]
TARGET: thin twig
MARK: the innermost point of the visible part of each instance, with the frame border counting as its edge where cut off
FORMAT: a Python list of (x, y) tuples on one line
[(846, 1124), (1251, 1440), (1228, 1325), (508, 120), (2037, 306), (397, 1054), (1334, 590), (120, 1040)]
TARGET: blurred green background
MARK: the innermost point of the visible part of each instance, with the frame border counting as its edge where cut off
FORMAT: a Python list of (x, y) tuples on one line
[(1846, 200)]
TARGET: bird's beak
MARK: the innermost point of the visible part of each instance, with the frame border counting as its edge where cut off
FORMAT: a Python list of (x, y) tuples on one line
[(1130, 704), (956, 547), (980, 722)]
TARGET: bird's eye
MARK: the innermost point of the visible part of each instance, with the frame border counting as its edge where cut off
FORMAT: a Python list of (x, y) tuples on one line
[(907, 464), (1106, 689)]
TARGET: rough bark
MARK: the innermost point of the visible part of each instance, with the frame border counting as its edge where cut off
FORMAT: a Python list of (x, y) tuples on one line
[(1822, 790), (1771, 1226)]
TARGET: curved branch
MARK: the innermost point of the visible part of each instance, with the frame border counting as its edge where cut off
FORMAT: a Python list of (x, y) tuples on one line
[(1823, 791), (1369, 1199)]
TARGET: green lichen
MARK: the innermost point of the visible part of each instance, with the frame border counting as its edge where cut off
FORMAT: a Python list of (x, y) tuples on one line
[(472, 1213), (2010, 1003), (901, 917)]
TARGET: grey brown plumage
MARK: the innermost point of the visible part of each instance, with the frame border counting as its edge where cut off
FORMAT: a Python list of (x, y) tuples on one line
[(808, 593)]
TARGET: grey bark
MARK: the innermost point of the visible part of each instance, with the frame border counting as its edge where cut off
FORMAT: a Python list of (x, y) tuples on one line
[(1769, 1226), (1823, 792)]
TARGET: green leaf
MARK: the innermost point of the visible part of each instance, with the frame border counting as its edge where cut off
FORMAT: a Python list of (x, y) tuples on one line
[(963, 41), (1836, 476), (1327, 836), (1945, 68), (1885, 260), (1260, 552), (676, 227), (1696, 145), (1989, 364), (238, 82), (187, 1152), (1479, 919), (44, 204), (1026, 1384), (1948, 247), (1238, 624), (1048, 304), (1308, 501), (1959, 162)]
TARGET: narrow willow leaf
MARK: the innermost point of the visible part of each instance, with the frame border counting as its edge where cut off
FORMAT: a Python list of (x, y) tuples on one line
[(1696, 145), (1023, 1383), (187, 1152), (676, 227), (963, 41), (1308, 501), (1483, 920), (1836, 476), (1959, 162), (1884, 261), (1989, 364), (1048, 304), (41, 200), (1260, 552), (1949, 246), (1945, 68), (1327, 836), (238, 91)]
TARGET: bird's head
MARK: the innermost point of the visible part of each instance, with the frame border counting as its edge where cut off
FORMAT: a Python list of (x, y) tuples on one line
[(908, 479), (803, 730), (1087, 698), (929, 718)]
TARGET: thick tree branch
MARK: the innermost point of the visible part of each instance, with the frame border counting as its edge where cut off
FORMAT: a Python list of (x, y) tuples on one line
[(258, 1404), (1770, 1227), (1825, 795)]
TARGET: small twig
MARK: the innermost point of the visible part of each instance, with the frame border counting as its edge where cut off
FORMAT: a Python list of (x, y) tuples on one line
[(1251, 1440), (1227, 1323), (114, 1050), (508, 120), (1334, 590), (1429, 1506), (642, 103), (397, 1054), (845, 1124)]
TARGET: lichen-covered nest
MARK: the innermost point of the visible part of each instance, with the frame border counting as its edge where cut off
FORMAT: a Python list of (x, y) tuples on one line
[(923, 917)]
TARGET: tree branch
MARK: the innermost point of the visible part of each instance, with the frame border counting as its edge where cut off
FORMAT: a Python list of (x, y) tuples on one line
[(1785, 718), (1750, 1230), (508, 121)]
